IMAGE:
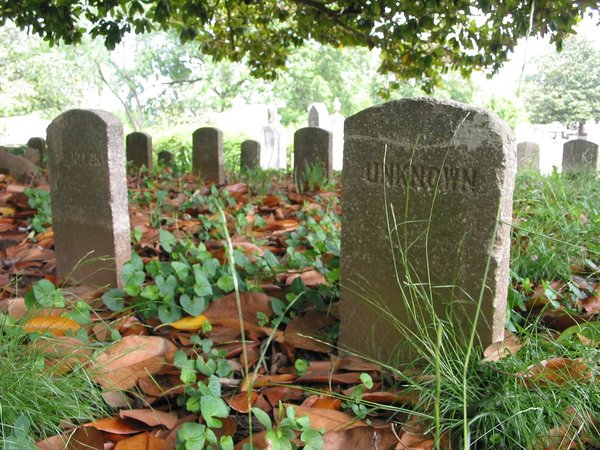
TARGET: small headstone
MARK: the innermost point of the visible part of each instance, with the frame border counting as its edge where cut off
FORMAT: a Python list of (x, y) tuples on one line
[(580, 155), (165, 157), (88, 189), (272, 150), (39, 144), (250, 155), (207, 154), (138, 147), (427, 196), (318, 116), (337, 128), (528, 156), (312, 151)]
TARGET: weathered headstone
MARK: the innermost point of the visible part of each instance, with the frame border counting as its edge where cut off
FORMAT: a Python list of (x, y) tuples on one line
[(207, 154), (250, 155), (427, 196), (272, 150), (337, 128), (88, 189), (580, 155), (318, 116), (138, 147), (165, 157), (36, 150), (312, 151), (528, 156)]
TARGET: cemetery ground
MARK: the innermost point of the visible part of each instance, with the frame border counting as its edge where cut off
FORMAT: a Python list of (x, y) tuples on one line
[(161, 363)]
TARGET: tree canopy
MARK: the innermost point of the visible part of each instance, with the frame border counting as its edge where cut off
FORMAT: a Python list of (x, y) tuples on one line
[(417, 39), (565, 87)]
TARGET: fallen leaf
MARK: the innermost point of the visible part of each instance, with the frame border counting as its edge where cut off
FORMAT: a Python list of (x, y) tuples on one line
[(498, 350), (592, 303), (328, 419), (267, 380), (150, 417), (360, 438), (556, 371), (132, 357), (56, 325), (143, 441), (116, 425), (310, 278), (189, 323), (305, 331), (241, 402)]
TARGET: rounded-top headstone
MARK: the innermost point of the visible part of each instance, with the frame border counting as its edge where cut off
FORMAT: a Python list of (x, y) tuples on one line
[(427, 199), (207, 154), (580, 155), (312, 150), (138, 148), (250, 155), (528, 156), (88, 189)]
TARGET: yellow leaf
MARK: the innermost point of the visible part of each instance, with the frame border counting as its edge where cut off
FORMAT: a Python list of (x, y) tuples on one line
[(7, 212), (56, 325), (189, 323)]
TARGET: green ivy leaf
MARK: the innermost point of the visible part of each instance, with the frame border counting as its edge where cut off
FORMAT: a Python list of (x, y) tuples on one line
[(46, 294), (193, 305), (114, 299), (169, 312), (213, 408), (225, 283), (167, 240), (191, 434), (262, 417), (202, 286), (181, 269)]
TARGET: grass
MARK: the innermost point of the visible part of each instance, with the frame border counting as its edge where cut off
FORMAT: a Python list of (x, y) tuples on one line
[(35, 397), (543, 395), (557, 227)]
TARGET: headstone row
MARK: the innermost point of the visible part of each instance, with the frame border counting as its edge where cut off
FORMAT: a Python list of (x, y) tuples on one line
[(579, 155)]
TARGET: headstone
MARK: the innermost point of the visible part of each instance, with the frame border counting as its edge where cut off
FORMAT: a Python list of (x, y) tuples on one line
[(88, 189), (427, 199), (312, 150), (318, 116), (207, 154), (528, 156), (39, 145), (272, 150), (580, 155), (337, 128), (165, 157), (138, 147), (250, 155)]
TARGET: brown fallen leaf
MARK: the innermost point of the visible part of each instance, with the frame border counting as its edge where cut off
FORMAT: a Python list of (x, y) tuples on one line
[(556, 371), (267, 380), (360, 438), (241, 402), (305, 331), (591, 304), (123, 363), (498, 350), (116, 425), (82, 438), (327, 419), (310, 278), (150, 417), (143, 441)]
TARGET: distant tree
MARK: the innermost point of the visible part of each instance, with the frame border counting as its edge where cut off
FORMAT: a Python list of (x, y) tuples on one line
[(566, 87), (36, 78), (417, 40)]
